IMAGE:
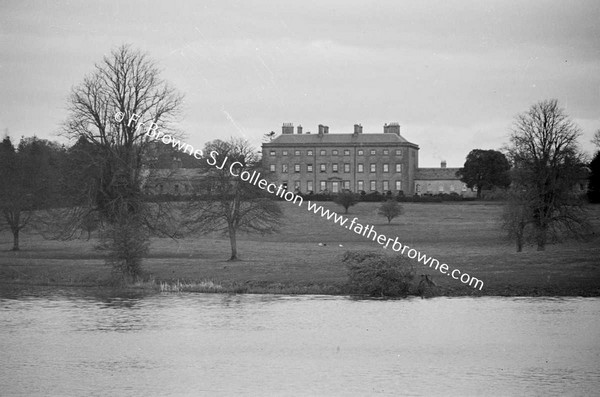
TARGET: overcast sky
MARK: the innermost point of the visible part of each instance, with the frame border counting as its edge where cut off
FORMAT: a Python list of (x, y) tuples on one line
[(452, 73)]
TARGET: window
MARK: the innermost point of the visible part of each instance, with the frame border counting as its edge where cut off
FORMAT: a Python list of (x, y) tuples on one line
[(451, 188), (346, 152), (399, 185), (373, 185), (296, 185), (334, 152), (398, 167), (360, 185), (464, 187), (373, 167), (296, 167), (309, 168), (272, 168), (418, 188), (272, 152), (361, 168), (335, 187), (441, 188), (285, 153), (398, 152), (284, 185), (323, 152), (334, 167), (323, 167), (296, 152), (323, 185), (373, 152), (386, 152), (386, 186), (346, 167), (346, 185), (309, 186), (429, 187), (386, 168), (360, 152), (284, 167), (309, 152)]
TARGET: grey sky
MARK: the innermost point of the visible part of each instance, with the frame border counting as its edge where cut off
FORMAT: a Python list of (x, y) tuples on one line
[(452, 73)]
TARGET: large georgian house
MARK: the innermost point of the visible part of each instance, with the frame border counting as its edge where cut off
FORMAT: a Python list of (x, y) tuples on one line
[(381, 162)]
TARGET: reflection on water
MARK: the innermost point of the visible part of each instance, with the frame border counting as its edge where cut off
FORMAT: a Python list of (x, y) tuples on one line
[(73, 343)]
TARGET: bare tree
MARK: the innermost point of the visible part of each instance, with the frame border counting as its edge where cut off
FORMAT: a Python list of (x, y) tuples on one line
[(231, 204), (517, 217), (596, 139), (547, 164), (114, 111)]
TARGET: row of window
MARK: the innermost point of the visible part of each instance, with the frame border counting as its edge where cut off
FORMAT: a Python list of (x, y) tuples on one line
[(335, 186), (336, 152), (335, 168), (440, 188)]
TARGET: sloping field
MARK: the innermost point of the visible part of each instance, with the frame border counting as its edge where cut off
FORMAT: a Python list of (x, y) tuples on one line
[(307, 251)]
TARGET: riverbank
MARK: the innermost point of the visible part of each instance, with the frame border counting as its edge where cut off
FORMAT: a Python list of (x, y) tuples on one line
[(305, 256)]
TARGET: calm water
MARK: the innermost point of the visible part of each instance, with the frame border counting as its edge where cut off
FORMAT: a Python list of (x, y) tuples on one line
[(71, 343)]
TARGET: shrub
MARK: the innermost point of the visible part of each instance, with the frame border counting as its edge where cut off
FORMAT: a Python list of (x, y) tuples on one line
[(372, 197), (346, 199), (419, 199), (390, 209), (376, 274)]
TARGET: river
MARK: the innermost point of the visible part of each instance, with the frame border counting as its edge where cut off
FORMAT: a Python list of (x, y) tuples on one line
[(69, 342)]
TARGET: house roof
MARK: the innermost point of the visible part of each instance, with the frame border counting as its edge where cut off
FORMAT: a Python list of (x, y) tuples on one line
[(436, 174), (338, 139)]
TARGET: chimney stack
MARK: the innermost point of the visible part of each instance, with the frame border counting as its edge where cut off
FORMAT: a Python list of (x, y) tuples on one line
[(357, 129), (287, 128), (391, 128), (443, 164), (299, 129), (323, 129)]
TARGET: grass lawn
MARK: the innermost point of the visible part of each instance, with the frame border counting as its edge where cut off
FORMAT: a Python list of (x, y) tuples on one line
[(465, 236)]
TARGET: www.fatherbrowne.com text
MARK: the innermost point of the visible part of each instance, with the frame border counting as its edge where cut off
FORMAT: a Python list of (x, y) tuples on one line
[(254, 178)]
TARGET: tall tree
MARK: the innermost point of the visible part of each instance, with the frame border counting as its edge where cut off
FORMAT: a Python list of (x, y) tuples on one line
[(547, 165), (594, 179), (114, 110), (232, 205), (29, 180), (485, 169)]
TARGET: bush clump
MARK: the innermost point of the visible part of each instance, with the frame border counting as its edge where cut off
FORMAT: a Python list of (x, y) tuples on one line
[(377, 274)]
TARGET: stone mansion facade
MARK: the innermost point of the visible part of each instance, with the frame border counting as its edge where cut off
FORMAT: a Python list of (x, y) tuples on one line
[(382, 162)]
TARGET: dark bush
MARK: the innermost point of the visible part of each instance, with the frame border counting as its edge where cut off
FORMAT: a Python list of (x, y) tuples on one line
[(317, 197), (419, 199), (376, 274), (346, 199), (372, 197)]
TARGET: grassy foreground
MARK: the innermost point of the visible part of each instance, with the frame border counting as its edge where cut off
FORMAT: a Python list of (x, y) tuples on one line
[(466, 236)]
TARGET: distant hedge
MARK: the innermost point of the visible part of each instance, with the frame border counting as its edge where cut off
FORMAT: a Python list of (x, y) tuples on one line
[(375, 197)]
